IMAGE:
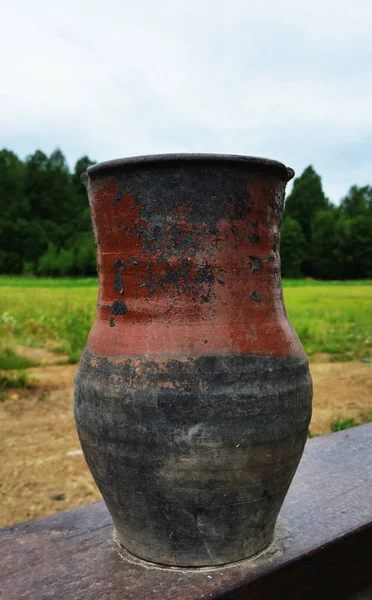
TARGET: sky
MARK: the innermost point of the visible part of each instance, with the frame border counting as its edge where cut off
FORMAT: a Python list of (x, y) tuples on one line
[(284, 79)]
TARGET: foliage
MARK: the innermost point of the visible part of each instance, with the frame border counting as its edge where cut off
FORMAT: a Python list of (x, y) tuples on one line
[(306, 199), (327, 243), (292, 247), (357, 202), (345, 423), (358, 248), (10, 360), (16, 379), (44, 216), (342, 424), (338, 240)]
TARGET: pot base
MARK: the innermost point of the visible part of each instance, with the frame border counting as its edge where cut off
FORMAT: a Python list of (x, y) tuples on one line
[(175, 564)]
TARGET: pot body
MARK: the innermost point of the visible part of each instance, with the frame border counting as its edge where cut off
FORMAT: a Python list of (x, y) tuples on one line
[(193, 394)]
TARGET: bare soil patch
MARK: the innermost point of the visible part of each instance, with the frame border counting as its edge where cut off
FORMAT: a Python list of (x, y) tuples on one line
[(42, 356), (340, 390)]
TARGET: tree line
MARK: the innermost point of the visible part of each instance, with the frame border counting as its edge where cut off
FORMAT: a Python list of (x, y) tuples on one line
[(322, 240), (45, 226)]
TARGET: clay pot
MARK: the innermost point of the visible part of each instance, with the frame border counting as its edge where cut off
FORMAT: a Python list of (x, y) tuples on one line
[(193, 395)]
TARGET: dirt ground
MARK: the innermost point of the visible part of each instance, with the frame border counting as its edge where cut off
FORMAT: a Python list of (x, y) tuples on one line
[(42, 470)]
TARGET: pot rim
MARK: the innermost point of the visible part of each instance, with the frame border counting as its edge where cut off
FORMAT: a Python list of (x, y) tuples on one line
[(156, 160)]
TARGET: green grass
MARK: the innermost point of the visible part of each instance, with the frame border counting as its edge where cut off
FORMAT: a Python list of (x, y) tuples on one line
[(47, 282), (346, 423), (334, 318), (329, 317), (342, 424), (9, 360), (316, 283), (56, 314), (18, 379)]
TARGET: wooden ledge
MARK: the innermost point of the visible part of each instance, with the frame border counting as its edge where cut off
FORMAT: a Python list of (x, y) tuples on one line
[(323, 545)]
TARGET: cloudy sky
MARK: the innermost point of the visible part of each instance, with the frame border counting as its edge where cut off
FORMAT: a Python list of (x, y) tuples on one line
[(286, 79)]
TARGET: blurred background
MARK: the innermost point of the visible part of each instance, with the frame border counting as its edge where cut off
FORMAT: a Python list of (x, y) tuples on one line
[(90, 81)]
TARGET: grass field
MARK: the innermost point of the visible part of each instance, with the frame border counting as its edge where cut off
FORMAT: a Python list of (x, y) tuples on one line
[(329, 317)]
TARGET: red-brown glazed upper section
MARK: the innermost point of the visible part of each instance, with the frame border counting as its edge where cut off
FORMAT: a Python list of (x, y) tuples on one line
[(188, 256)]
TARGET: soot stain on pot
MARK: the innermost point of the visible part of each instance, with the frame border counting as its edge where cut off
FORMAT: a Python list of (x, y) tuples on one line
[(180, 279), (277, 203), (254, 238), (255, 296), (256, 263), (167, 241), (119, 265), (166, 223), (118, 283), (119, 308), (254, 224)]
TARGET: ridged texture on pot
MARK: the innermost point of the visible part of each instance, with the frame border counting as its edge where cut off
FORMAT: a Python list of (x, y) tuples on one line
[(193, 396)]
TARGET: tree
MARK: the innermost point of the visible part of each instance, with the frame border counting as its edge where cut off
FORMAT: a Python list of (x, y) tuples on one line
[(45, 221), (52, 197), (83, 222), (85, 260), (306, 200), (81, 166), (49, 188), (13, 201), (358, 248), (56, 262), (60, 189), (358, 201), (36, 168), (14, 212), (327, 245), (292, 247)]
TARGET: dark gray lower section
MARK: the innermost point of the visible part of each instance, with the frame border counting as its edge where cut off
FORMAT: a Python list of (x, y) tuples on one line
[(193, 458)]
